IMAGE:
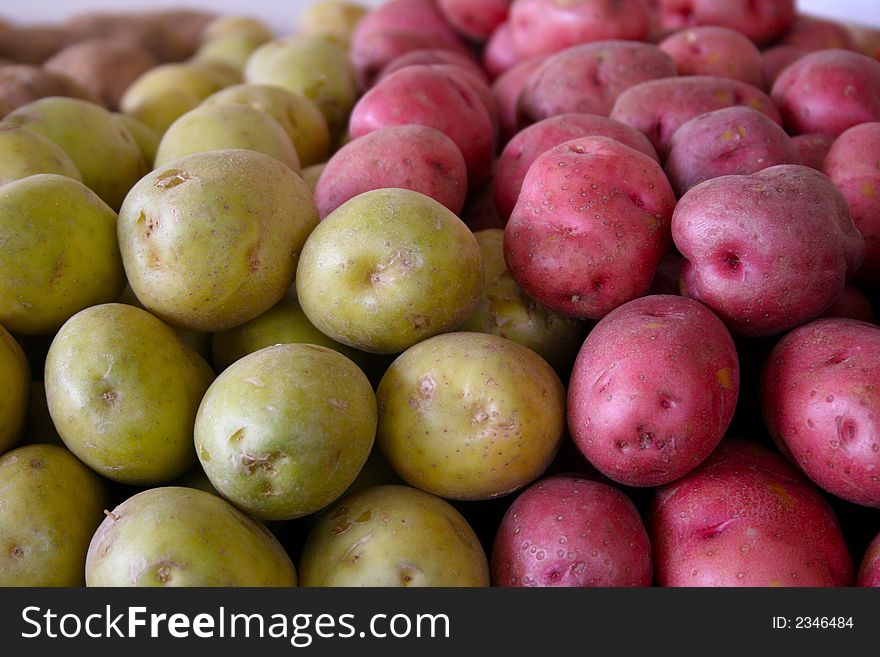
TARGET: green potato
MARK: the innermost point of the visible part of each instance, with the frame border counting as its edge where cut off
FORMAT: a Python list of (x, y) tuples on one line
[(103, 150), (15, 386), (387, 269), (312, 174), (218, 127), (505, 310), (213, 240), (24, 153), (232, 49), (159, 110), (393, 536), (51, 506), (60, 253), (333, 19), (123, 391), (144, 136), (284, 431), (222, 26), (295, 113), (177, 536), (470, 416)]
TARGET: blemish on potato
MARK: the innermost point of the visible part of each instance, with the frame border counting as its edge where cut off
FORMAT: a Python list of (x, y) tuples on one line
[(171, 178), (724, 376)]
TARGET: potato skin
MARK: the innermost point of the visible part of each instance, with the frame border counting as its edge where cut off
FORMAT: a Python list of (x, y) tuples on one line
[(475, 19), (814, 33), (744, 261), (580, 202), (506, 90), (500, 54), (760, 20), (820, 396), (869, 572), (24, 153), (15, 387), (813, 149), (646, 422), (746, 518), (569, 531), (718, 51)]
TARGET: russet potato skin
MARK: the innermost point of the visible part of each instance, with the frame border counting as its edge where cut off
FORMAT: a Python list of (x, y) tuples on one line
[(393, 536), (568, 531), (590, 227), (869, 572), (646, 422), (746, 518), (714, 50), (820, 395), (175, 536), (15, 387)]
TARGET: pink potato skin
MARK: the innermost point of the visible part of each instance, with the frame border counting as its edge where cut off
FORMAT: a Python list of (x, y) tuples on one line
[(397, 27), (432, 56), (777, 59), (475, 19), (853, 164), (506, 89), (869, 572), (653, 390), (769, 251), (500, 53), (718, 51), (660, 107), (569, 531), (588, 78), (733, 140), (760, 20), (820, 392), (813, 149), (746, 518), (542, 27), (412, 157), (828, 91), (590, 227), (522, 150), (851, 304), (813, 33), (425, 96)]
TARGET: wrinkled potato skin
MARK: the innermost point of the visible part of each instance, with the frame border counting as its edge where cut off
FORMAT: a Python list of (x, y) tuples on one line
[(15, 388)]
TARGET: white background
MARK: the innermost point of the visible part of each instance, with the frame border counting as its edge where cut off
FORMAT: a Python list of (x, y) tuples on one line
[(281, 15)]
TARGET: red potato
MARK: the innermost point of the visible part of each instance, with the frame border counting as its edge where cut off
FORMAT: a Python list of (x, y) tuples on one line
[(869, 573), (851, 304), (569, 531), (776, 59), (660, 107), (477, 82), (506, 90), (733, 140), (425, 96), (653, 390), (412, 157), (853, 164), (813, 33), (746, 518), (475, 19), (525, 147), (813, 149), (820, 392), (760, 20), (588, 78), (590, 226), (542, 27), (828, 91), (395, 28), (500, 53), (768, 251), (718, 51), (431, 56)]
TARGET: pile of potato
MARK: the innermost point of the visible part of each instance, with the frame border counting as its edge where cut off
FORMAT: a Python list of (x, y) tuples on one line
[(444, 293)]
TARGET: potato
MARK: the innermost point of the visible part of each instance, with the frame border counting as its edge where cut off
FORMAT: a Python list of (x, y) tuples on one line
[(769, 251), (426, 96), (500, 54), (414, 157), (760, 20), (393, 536), (581, 202), (218, 251), (828, 91), (144, 136), (869, 572), (298, 115), (387, 269), (175, 34), (430, 56), (312, 174), (223, 26), (814, 33), (174, 536), (226, 126), (588, 78), (566, 530), (648, 420), (718, 51), (123, 390), (853, 164), (52, 505), (24, 153), (819, 395), (527, 145), (470, 416), (333, 19), (729, 141), (660, 107), (746, 518), (477, 82), (105, 153), (777, 59), (506, 90), (232, 49), (475, 19), (15, 388), (285, 430), (542, 27), (21, 84), (32, 44), (851, 304), (59, 252), (813, 149)]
